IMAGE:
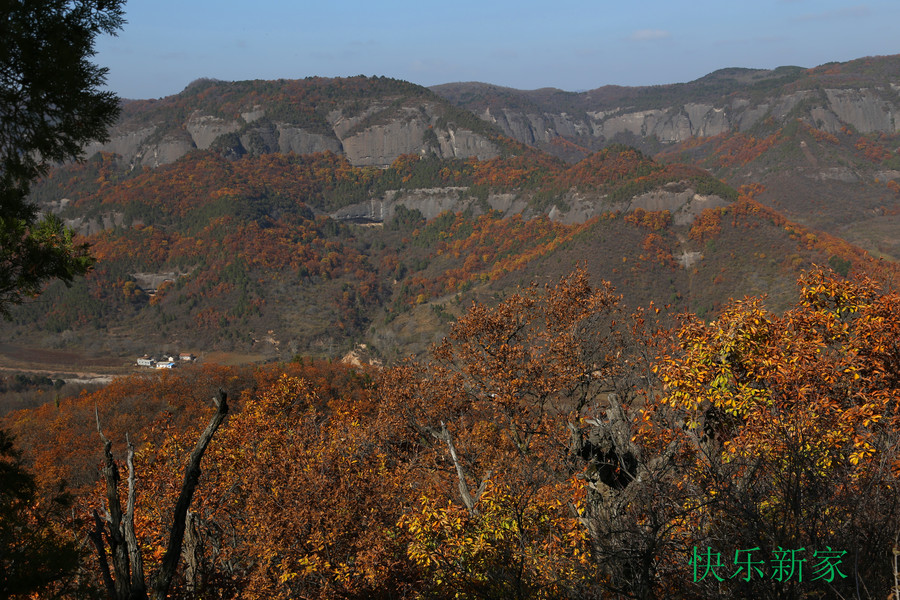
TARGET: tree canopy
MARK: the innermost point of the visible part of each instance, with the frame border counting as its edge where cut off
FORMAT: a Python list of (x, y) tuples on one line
[(51, 105), (553, 445)]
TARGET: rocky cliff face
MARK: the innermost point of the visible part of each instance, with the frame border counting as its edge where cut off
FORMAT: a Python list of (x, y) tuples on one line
[(575, 207), (860, 94), (378, 145), (372, 134), (866, 110)]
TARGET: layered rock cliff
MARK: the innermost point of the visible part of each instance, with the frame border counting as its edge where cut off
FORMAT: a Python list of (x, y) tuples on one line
[(873, 110), (389, 120), (683, 202), (855, 95), (819, 144)]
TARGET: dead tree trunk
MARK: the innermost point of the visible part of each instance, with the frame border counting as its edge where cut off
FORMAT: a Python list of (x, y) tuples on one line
[(192, 551), (470, 502), (114, 536)]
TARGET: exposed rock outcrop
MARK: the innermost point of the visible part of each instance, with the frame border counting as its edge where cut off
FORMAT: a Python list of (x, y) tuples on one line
[(205, 129), (868, 110), (378, 145), (125, 143), (294, 139), (381, 144), (576, 207), (460, 143), (371, 130), (863, 109)]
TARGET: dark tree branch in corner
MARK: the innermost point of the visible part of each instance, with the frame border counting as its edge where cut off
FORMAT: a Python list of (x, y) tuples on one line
[(117, 543), (138, 587)]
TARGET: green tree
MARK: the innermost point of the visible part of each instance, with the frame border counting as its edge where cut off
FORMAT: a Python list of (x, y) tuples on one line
[(51, 105)]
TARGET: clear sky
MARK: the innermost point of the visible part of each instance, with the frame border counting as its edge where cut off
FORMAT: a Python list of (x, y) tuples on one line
[(569, 44)]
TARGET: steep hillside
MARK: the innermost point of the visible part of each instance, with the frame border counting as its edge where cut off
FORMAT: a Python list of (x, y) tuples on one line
[(277, 255), (306, 250), (844, 182)]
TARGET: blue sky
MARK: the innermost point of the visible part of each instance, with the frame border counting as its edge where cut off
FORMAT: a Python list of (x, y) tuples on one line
[(569, 44)]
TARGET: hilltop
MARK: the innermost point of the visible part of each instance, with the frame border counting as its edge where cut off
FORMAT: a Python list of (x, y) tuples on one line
[(370, 120)]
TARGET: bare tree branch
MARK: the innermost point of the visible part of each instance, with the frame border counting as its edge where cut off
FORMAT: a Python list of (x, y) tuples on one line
[(163, 579), (96, 536), (138, 587), (467, 499), (128, 567), (117, 544)]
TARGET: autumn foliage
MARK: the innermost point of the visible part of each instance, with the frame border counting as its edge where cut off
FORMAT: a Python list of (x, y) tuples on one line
[(793, 420), (554, 445)]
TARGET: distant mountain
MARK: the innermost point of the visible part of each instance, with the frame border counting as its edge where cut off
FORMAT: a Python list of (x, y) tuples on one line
[(370, 120), (823, 142), (861, 94), (305, 217)]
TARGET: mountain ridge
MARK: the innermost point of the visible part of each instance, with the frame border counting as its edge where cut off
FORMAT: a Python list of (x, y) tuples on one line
[(822, 141), (371, 120), (245, 239)]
